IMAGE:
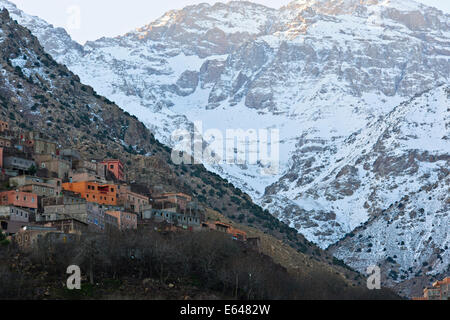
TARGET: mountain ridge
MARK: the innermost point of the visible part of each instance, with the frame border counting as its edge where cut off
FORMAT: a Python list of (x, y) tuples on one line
[(37, 93), (320, 76)]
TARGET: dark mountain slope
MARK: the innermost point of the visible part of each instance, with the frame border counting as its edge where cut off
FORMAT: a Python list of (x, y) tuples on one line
[(38, 93)]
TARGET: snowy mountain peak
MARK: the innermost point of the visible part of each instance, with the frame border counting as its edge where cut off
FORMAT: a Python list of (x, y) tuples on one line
[(411, 14), (404, 5), (336, 77), (231, 17), (56, 40)]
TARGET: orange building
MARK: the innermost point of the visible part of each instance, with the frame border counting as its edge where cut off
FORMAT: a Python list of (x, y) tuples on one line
[(180, 200), (125, 220), (227, 228), (19, 199), (440, 290), (94, 192), (130, 200), (115, 167)]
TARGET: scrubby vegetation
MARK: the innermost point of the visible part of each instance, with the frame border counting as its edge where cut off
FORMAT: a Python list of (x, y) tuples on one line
[(99, 129), (203, 262)]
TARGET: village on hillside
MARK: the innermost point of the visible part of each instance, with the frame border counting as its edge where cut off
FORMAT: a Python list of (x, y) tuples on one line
[(439, 290), (48, 191)]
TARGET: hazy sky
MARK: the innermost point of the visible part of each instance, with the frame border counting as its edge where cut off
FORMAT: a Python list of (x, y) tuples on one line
[(92, 19)]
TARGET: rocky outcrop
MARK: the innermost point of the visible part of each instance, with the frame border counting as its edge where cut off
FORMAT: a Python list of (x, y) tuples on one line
[(37, 93), (330, 74)]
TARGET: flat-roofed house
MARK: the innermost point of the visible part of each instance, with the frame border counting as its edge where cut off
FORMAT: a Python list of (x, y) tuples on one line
[(88, 168), (236, 234), (70, 155), (17, 162), (131, 201), (47, 187), (86, 176), (172, 199), (66, 197), (14, 213), (19, 199), (440, 290), (432, 293), (39, 143), (125, 220), (28, 236), (13, 218), (68, 226), (87, 212), (57, 166), (111, 223), (105, 194), (185, 221), (44, 146), (115, 167)]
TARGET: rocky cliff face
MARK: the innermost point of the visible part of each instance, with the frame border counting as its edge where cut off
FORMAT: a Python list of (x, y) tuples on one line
[(37, 93), (57, 40), (400, 177), (330, 74)]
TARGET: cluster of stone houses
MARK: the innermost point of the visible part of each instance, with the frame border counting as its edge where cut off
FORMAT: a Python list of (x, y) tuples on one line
[(49, 191), (440, 290)]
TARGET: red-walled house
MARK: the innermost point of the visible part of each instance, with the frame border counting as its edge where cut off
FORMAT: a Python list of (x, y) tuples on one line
[(19, 199), (115, 167)]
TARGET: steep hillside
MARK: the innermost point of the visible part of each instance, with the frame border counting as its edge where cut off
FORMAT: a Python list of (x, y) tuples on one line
[(305, 69), (323, 72), (410, 237), (166, 266), (38, 93)]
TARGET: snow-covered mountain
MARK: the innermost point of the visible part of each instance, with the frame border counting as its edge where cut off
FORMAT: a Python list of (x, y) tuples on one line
[(402, 166), (336, 77), (57, 41)]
